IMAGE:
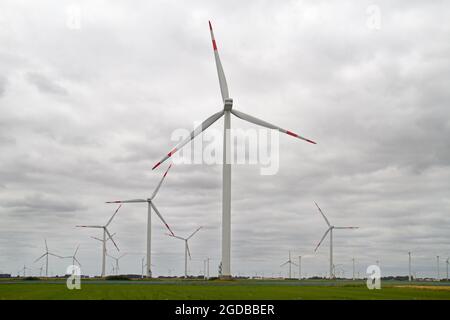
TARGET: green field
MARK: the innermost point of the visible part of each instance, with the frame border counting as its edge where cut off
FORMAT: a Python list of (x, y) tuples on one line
[(241, 289)]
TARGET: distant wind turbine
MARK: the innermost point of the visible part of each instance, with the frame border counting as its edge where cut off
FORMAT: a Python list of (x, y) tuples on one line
[(409, 266), (150, 205), (46, 254), (186, 249), (74, 257), (329, 230), (116, 259), (226, 111), (110, 237), (290, 262)]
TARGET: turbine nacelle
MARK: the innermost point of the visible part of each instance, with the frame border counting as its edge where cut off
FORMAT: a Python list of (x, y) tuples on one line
[(228, 104)]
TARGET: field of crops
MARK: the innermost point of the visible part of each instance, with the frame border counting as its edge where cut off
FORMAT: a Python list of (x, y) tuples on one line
[(239, 289)]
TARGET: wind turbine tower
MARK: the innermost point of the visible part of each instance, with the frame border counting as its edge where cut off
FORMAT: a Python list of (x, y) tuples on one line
[(299, 267), (438, 273), (409, 267)]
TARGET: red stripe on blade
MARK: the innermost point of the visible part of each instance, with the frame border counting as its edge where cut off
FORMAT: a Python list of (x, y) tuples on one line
[(165, 174), (310, 141), (214, 45), (172, 152), (292, 134), (156, 166)]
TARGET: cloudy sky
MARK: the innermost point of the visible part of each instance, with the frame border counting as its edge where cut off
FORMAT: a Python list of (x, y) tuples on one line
[(92, 91)]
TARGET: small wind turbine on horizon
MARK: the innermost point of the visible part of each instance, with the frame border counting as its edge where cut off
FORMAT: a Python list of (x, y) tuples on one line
[(447, 262), (186, 249), (227, 110), (150, 205), (116, 259), (24, 269), (290, 262), (104, 240), (46, 254), (330, 231), (74, 257)]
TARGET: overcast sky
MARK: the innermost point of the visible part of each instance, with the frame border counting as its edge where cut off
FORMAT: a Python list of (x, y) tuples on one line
[(91, 92)]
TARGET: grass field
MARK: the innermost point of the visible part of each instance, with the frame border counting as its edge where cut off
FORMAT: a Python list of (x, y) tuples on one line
[(242, 289)]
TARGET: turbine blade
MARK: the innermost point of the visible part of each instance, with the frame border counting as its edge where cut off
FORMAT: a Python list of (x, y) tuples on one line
[(96, 238), (160, 183), (346, 227), (220, 73), (323, 215), (194, 233), (265, 124), (112, 217), (89, 226), (121, 256), (127, 201), (76, 250), (40, 258), (282, 265), (46, 247), (110, 237), (202, 127), (174, 236), (162, 219), (324, 235), (188, 250), (55, 255), (77, 261)]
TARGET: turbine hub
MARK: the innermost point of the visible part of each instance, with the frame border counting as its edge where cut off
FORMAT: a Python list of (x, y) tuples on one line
[(228, 104)]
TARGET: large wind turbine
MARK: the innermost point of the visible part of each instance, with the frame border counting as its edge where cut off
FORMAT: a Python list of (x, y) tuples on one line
[(226, 167), (105, 232), (330, 230), (150, 205), (46, 254), (186, 249), (290, 262)]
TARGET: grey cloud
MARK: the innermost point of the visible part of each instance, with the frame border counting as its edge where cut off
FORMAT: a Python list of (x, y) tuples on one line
[(45, 85)]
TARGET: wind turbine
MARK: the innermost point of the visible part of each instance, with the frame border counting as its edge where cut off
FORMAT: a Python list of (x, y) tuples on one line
[(353, 268), (409, 266), (24, 269), (74, 257), (117, 262), (186, 249), (438, 272), (46, 254), (150, 205), (290, 262), (299, 267), (226, 167), (105, 232), (447, 262), (330, 230)]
